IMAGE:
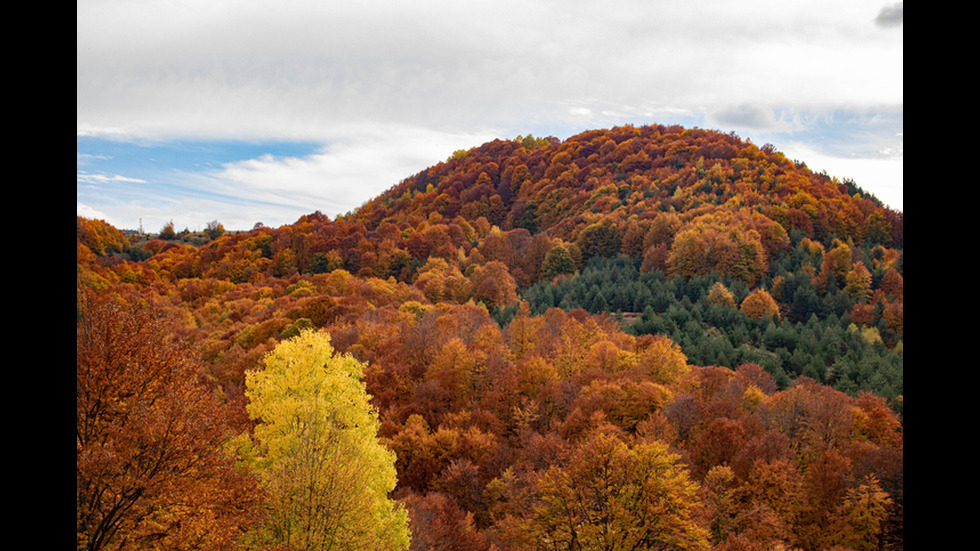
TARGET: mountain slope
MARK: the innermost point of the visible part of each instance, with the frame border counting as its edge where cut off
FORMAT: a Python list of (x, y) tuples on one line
[(528, 303)]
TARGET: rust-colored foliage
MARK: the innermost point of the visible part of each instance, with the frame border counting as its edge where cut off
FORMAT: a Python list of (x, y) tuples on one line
[(709, 246), (495, 411), (760, 305), (150, 463), (437, 522), (614, 496), (99, 237)]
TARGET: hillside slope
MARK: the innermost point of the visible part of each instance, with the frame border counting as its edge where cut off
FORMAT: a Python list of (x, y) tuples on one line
[(526, 299), (506, 217)]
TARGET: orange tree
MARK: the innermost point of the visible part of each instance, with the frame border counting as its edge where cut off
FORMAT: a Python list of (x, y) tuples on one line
[(611, 495), (150, 434)]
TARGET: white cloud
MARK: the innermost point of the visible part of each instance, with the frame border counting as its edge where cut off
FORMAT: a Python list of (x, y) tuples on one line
[(297, 68), (891, 15), (87, 211), (750, 117), (342, 176), (87, 178), (411, 82)]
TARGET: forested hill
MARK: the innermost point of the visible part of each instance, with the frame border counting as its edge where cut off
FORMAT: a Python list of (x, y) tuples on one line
[(499, 222), (654, 283), (541, 184)]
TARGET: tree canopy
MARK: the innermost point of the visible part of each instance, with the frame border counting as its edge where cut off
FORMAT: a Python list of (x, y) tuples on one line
[(454, 364), (151, 468)]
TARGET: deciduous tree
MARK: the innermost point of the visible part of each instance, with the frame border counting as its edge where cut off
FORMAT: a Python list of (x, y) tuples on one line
[(857, 283), (151, 470), (614, 496), (493, 284), (327, 474), (599, 239), (214, 230), (441, 524), (760, 305), (862, 513), (558, 261), (720, 295)]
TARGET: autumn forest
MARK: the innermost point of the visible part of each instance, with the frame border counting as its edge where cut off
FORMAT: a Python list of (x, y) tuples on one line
[(648, 337)]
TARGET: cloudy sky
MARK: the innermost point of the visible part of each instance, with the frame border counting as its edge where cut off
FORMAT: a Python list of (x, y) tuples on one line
[(261, 111)]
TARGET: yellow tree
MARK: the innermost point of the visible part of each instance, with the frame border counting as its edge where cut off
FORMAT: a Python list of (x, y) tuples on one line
[(720, 295), (857, 283), (720, 246), (440, 281), (520, 333), (614, 496), (862, 515), (557, 261), (660, 360), (327, 474), (770, 501)]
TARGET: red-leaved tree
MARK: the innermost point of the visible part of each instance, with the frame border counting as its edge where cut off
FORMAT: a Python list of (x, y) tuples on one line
[(151, 470)]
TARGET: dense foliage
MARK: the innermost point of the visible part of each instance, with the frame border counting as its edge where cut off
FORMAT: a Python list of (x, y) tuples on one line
[(327, 476), (151, 470), (635, 320)]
